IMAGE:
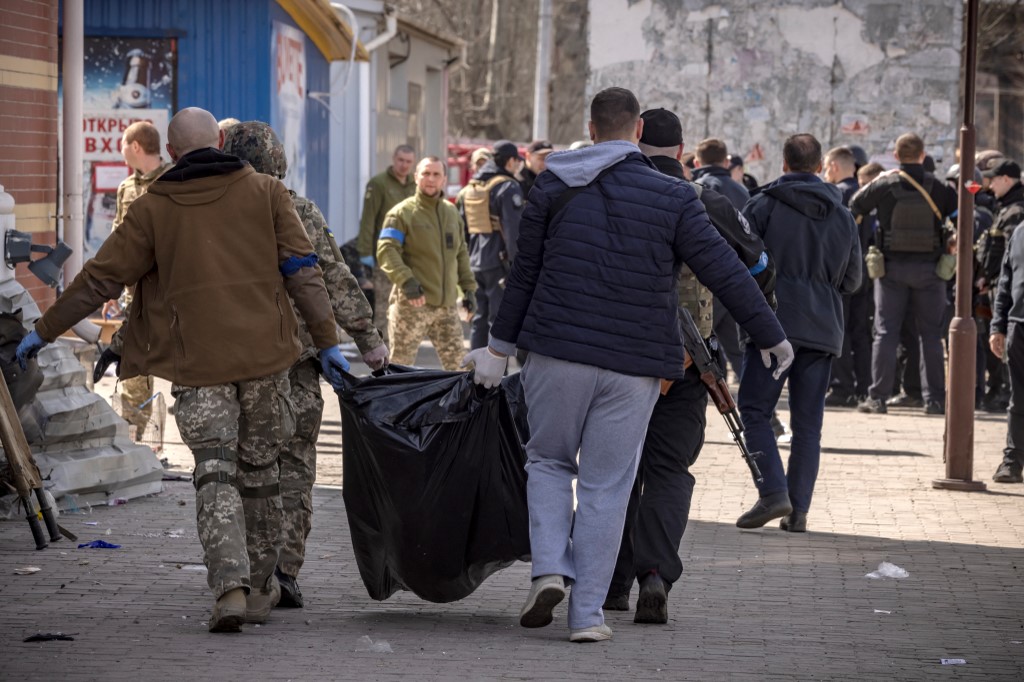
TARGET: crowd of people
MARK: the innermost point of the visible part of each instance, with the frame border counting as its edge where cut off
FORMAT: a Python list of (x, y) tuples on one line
[(574, 263)]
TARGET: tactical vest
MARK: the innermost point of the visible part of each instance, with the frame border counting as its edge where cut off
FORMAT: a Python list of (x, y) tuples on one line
[(913, 226), (693, 295), (476, 203)]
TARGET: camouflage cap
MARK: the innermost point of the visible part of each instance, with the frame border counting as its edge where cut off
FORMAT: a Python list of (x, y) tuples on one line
[(256, 142)]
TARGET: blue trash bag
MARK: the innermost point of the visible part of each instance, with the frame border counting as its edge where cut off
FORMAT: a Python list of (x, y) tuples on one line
[(434, 482)]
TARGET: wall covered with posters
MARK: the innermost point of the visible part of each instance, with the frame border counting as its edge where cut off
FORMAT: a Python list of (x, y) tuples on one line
[(221, 56)]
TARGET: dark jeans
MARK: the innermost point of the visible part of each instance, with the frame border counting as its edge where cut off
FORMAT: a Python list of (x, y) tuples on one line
[(728, 333), (659, 504), (759, 393), (1014, 452), (488, 300), (851, 372), (909, 288)]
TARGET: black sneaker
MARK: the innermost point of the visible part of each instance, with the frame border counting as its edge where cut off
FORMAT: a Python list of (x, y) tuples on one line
[(934, 407), (291, 596), (616, 603), (834, 399), (904, 400), (764, 510), (652, 604), (872, 406), (1008, 473)]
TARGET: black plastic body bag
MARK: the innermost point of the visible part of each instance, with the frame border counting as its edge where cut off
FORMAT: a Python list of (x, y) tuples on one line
[(434, 482)]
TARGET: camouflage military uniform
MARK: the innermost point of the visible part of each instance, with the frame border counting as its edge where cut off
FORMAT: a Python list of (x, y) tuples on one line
[(298, 458), (235, 432), (137, 391), (383, 192), (410, 325), (256, 143), (423, 245)]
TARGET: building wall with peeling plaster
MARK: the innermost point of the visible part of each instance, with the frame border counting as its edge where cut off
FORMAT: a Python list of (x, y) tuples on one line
[(852, 72)]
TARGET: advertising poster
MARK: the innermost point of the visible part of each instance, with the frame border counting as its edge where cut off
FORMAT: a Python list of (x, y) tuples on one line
[(288, 100), (126, 80)]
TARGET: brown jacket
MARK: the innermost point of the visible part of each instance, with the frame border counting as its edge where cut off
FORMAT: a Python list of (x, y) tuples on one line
[(211, 305)]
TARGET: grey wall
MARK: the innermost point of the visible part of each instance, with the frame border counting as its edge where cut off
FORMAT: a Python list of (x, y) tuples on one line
[(753, 73)]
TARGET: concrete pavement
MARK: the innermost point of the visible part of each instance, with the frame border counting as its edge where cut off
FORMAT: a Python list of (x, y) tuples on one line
[(751, 605)]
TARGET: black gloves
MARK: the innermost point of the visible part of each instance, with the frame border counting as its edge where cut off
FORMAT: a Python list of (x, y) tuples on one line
[(469, 303), (412, 288), (106, 358)]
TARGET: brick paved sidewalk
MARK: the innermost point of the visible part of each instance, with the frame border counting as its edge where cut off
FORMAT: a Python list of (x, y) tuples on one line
[(752, 604)]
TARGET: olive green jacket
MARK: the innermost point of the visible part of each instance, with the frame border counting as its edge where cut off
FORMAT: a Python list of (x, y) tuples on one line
[(423, 239), (383, 192)]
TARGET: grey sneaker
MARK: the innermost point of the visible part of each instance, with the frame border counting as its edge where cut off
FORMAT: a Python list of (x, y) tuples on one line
[(546, 592), (872, 406), (595, 633)]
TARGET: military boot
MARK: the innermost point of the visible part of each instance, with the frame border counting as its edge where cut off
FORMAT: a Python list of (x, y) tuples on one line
[(229, 612), (291, 596), (260, 602)]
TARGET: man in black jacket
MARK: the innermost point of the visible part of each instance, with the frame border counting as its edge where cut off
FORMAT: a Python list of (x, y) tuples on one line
[(912, 206), (814, 238), (659, 505), (535, 155), (851, 371), (1008, 313), (592, 297)]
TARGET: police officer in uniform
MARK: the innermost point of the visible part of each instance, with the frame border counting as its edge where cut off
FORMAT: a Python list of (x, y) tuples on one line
[(659, 504), (491, 206), (256, 143)]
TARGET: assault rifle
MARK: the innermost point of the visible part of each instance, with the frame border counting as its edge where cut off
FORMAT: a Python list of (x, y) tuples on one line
[(714, 381)]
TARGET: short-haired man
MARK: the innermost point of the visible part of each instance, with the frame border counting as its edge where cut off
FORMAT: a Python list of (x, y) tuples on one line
[(713, 170), (659, 504), (383, 192), (592, 297), (422, 250), (491, 206), (1008, 313), (814, 239), (213, 322), (851, 371), (535, 155), (912, 207), (140, 147)]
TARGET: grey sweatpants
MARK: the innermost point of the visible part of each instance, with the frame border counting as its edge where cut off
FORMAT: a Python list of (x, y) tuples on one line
[(589, 424)]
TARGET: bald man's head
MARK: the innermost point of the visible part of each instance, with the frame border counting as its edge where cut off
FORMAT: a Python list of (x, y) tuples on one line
[(191, 129)]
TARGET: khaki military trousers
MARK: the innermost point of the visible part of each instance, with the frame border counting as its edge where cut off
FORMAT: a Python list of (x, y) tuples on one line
[(236, 432), (298, 465), (410, 325)]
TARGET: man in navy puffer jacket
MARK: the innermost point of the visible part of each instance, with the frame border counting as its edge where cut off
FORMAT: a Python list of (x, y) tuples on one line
[(592, 296)]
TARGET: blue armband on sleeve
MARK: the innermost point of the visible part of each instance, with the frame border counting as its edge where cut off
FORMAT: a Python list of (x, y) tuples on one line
[(760, 266), (293, 264), (392, 233)]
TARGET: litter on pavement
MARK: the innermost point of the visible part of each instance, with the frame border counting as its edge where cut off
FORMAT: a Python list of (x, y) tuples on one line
[(887, 570)]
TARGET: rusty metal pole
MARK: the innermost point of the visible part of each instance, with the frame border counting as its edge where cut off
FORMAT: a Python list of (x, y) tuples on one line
[(963, 332)]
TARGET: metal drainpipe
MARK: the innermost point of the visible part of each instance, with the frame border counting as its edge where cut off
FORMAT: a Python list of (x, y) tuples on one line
[(74, 85), (543, 77)]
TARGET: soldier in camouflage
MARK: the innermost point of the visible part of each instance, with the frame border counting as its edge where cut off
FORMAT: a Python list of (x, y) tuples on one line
[(140, 147), (256, 143), (423, 250)]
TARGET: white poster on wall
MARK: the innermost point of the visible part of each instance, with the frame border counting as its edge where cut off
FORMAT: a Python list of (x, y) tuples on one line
[(288, 100)]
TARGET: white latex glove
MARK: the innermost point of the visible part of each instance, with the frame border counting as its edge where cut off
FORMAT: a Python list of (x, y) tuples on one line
[(488, 368), (377, 358), (783, 352)]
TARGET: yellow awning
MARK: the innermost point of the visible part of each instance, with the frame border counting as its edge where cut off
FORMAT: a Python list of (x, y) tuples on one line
[(332, 36)]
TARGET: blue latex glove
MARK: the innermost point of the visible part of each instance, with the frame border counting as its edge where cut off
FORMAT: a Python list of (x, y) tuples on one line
[(368, 261), (27, 349), (333, 362)]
